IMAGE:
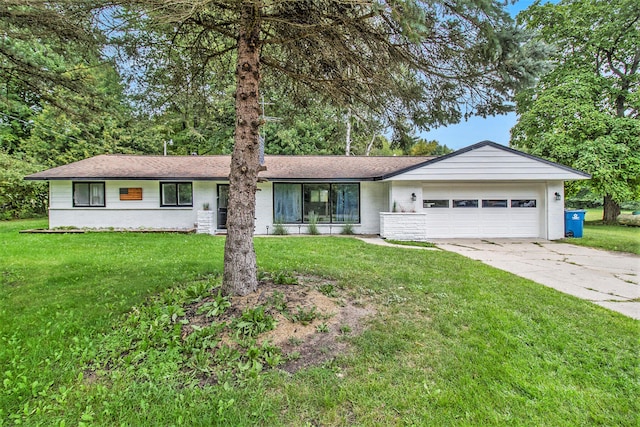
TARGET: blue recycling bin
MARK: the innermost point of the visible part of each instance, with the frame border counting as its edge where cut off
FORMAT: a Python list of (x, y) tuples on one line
[(573, 223)]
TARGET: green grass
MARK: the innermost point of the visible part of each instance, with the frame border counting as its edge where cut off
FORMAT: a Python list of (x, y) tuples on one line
[(617, 238), (454, 342), (411, 243)]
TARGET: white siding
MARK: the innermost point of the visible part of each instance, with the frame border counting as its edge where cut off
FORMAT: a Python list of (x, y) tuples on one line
[(129, 214), (264, 208), (488, 164), (373, 200), (555, 211)]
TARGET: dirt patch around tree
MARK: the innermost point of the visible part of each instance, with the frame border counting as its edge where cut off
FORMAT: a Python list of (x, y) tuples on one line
[(314, 319)]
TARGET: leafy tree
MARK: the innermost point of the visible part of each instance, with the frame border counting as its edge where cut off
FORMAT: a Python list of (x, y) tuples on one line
[(429, 148), (20, 198), (584, 112), (39, 40)]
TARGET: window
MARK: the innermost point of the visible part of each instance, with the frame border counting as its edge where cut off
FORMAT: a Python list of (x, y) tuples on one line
[(316, 201), (435, 203), (287, 203), (526, 203), (176, 194), (465, 203), (88, 194), (345, 202), (494, 203), (330, 203)]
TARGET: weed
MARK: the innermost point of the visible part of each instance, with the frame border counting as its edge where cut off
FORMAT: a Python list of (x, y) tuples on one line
[(278, 302), (322, 327), (305, 316), (216, 307), (202, 338), (328, 289), (198, 291), (284, 278), (345, 329), (253, 322), (295, 355)]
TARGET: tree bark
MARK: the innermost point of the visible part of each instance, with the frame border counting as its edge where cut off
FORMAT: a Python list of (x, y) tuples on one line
[(611, 210), (347, 150), (240, 267)]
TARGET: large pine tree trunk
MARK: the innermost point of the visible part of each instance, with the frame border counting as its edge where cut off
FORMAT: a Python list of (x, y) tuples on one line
[(611, 210), (240, 268)]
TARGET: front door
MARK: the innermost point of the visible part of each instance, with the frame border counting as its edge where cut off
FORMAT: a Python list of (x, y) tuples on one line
[(223, 200)]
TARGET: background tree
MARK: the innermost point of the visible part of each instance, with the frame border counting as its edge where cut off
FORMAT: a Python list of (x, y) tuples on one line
[(429, 148), (584, 112)]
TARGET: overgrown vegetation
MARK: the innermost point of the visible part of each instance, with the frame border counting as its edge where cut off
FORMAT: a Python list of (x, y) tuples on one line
[(99, 339)]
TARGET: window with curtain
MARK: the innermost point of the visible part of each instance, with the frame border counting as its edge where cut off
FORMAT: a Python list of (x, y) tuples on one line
[(331, 203), (176, 194), (88, 194), (287, 203), (345, 200)]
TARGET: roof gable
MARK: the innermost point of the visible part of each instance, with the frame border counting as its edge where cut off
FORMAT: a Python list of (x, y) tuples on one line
[(487, 161)]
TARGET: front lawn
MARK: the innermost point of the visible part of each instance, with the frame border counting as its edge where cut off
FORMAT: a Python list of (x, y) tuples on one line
[(453, 342)]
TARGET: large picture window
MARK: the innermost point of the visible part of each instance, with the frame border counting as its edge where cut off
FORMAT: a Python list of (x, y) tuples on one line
[(329, 203), (88, 194), (176, 194)]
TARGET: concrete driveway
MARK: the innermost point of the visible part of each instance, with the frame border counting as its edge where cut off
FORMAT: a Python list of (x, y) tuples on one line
[(609, 279)]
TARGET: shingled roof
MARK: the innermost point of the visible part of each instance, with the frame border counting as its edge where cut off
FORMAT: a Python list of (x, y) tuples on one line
[(216, 168)]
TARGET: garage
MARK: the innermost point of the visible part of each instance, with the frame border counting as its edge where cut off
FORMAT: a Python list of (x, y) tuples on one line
[(484, 210), (483, 191)]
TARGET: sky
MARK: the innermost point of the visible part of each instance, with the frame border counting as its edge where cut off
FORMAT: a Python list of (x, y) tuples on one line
[(477, 129)]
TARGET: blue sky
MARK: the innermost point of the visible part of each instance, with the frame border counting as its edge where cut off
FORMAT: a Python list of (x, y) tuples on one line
[(477, 129)]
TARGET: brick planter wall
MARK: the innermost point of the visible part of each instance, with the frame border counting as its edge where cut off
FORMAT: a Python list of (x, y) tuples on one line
[(403, 225)]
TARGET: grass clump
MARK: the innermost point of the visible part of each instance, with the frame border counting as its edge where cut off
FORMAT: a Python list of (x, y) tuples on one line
[(312, 227), (348, 229), (411, 243), (279, 229)]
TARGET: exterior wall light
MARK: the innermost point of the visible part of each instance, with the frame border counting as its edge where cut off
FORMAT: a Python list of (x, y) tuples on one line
[(558, 196), (413, 197)]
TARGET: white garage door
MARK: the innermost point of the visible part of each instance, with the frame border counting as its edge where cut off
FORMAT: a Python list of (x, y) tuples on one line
[(484, 210)]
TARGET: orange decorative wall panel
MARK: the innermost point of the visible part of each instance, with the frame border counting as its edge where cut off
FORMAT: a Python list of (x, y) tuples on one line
[(131, 194)]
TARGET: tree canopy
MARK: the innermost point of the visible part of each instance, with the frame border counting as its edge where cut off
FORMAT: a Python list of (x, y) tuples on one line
[(584, 112)]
